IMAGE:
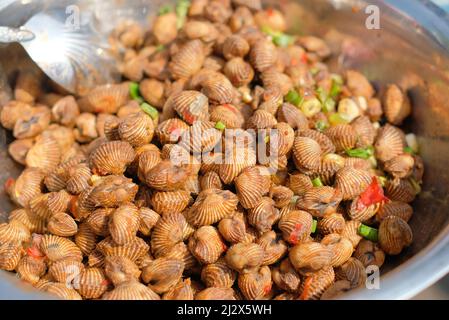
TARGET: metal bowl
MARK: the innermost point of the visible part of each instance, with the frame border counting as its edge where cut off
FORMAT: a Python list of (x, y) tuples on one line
[(411, 48)]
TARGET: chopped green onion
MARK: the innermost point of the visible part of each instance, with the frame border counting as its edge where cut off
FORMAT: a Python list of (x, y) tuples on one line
[(311, 107), (294, 98), (327, 101), (314, 225), (150, 110), (315, 71), (317, 182), (364, 153), (321, 125), (280, 39), (409, 150), (220, 126), (182, 8), (160, 48), (416, 185), (267, 139), (368, 233), (335, 88), (165, 9), (336, 118), (134, 91), (382, 180)]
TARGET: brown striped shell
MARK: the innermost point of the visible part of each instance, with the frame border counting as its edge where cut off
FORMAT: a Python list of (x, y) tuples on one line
[(164, 202), (111, 158), (206, 244), (131, 290), (362, 213), (218, 274), (63, 225), (400, 166), (188, 60), (251, 185), (190, 105), (235, 160), (98, 221), (245, 257), (338, 288), (326, 144), (124, 223), (358, 84), (92, 283), (85, 239), (233, 229), (112, 191), (170, 131), (44, 154), (162, 274), (255, 285), (34, 223), (299, 183), (137, 129), (315, 284), (365, 131), (395, 208), (286, 277), (181, 291), (390, 142), (400, 190), (341, 248), (10, 255), (239, 72), (263, 55), (211, 206), (148, 219), (263, 215), (274, 247), (396, 105), (307, 153), (369, 253), (281, 195), (310, 256), (353, 271), (18, 149), (121, 270), (181, 252), (31, 269), (235, 46), (57, 248), (213, 293), (227, 114), (203, 30), (394, 235), (14, 232), (320, 201), (217, 87), (47, 204), (105, 99), (295, 226), (210, 180), (351, 232), (132, 250), (351, 182), (167, 176), (343, 136), (293, 116), (66, 270), (62, 291), (168, 231), (331, 223), (261, 119), (27, 186)]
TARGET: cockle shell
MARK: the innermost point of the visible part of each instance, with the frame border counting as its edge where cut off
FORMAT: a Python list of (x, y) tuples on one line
[(218, 274), (124, 223), (85, 239), (168, 231), (307, 153), (275, 248), (137, 129), (188, 60), (206, 244), (320, 201), (252, 184), (131, 290), (395, 208), (315, 284), (341, 248), (239, 72), (63, 225), (57, 248), (162, 274), (245, 257), (111, 158), (394, 235), (310, 256), (390, 142), (369, 253), (286, 277), (263, 215), (133, 250), (255, 285), (121, 270), (295, 226), (397, 105), (105, 99), (351, 182)]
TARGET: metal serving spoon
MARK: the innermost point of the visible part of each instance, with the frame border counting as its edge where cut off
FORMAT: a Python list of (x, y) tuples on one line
[(74, 56)]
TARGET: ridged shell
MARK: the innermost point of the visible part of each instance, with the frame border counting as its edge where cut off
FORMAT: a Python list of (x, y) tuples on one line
[(18, 149), (110, 128), (235, 160), (188, 60), (233, 228), (124, 223), (369, 253), (48, 204), (295, 226), (235, 47), (245, 257), (310, 256), (341, 248), (85, 239), (30, 220), (218, 88), (167, 176), (293, 116), (105, 99), (352, 270), (92, 283), (112, 191), (171, 130), (162, 274), (190, 105), (358, 84), (66, 270), (63, 225), (65, 111), (111, 158), (400, 190), (213, 293), (10, 255), (131, 290), (394, 235), (364, 213), (98, 221), (239, 72), (263, 215), (121, 270), (255, 285), (390, 142), (147, 160), (218, 274), (263, 55), (299, 183), (210, 180), (227, 114), (400, 166), (351, 182), (31, 124), (285, 276), (31, 269), (132, 250), (395, 208), (206, 244), (261, 119), (272, 77), (181, 291), (96, 259), (252, 184), (14, 232), (137, 129), (320, 201), (274, 247), (203, 30), (314, 285), (331, 223), (307, 153), (338, 288), (62, 291), (57, 248), (326, 144), (45, 154), (351, 232), (396, 105), (148, 219), (169, 231), (365, 131), (342, 136), (79, 177), (57, 179), (281, 195), (164, 202)]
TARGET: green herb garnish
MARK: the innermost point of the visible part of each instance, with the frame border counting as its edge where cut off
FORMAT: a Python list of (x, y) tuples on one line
[(220, 126), (165, 9), (314, 225), (294, 98), (134, 92), (363, 153), (181, 9), (150, 110), (280, 39), (409, 150), (368, 233), (317, 182), (321, 126)]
